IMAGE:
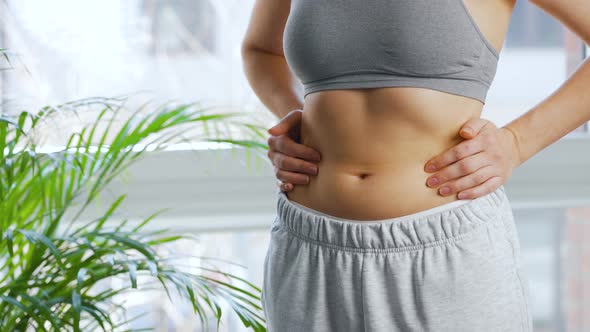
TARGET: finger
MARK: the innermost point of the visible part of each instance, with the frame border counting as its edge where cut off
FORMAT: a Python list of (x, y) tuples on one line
[(455, 153), (472, 127), (284, 186), (459, 169), (286, 145), (485, 188), (291, 177), (292, 118), (287, 163), (469, 181)]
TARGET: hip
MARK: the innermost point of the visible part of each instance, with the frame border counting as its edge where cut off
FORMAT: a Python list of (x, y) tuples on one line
[(454, 269)]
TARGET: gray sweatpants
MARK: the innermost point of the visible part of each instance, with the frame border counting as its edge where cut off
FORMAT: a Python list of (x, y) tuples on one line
[(455, 267)]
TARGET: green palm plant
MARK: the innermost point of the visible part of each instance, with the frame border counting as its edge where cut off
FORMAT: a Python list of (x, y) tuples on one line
[(51, 263)]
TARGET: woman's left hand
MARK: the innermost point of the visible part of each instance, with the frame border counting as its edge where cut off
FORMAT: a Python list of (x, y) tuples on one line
[(478, 165)]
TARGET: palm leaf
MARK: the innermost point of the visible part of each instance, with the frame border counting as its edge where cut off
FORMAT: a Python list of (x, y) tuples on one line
[(51, 266)]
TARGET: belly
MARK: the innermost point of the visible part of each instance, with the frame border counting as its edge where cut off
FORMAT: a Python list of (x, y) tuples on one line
[(374, 144)]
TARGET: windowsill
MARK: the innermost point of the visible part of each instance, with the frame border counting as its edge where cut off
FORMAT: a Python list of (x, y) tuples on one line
[(221, 190)]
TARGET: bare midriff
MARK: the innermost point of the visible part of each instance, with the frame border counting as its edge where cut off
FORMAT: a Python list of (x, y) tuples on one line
[(374, 144)]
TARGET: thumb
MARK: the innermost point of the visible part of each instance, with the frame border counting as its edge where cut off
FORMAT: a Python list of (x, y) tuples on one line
[(471, 128), (286, 123)]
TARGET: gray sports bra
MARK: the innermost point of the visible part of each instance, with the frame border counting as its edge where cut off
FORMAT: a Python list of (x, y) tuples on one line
[(346, 44)]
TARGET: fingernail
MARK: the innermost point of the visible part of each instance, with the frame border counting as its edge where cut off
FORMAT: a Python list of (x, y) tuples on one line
[(313, 169), (288, 186), (433, 181), (467, 131), (462, 195), (431, 168), (445, 190)]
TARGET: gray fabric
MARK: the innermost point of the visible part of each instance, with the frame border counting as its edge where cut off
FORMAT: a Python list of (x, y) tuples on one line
[(336, 44), (456, 267)]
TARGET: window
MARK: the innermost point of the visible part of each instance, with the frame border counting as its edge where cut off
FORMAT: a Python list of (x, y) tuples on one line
[(538, 55), (190, 50), (156, 49)]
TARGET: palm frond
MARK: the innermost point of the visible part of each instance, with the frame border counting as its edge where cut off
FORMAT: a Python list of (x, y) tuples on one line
[(51, 265)]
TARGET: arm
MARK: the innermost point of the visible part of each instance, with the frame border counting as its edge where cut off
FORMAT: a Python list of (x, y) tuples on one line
[(277, 88), (264, 61), (486, 159), (569, 106)]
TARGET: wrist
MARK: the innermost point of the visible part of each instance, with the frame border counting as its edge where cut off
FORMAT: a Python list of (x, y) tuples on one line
[(516, 150)]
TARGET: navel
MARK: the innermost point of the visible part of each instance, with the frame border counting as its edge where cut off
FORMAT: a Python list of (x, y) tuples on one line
[(363, 176)]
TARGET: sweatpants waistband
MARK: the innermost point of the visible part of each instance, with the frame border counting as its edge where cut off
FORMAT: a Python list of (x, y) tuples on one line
[(425, 228)]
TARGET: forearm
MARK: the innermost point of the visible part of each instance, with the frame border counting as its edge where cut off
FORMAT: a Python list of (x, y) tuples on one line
[(272, 81), (560, 113)]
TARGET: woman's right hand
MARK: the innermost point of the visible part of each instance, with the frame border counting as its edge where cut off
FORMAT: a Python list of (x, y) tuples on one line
[(293, 162)]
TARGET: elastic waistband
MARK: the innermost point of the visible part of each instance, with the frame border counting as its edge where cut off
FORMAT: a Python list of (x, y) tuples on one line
[(425, 228)]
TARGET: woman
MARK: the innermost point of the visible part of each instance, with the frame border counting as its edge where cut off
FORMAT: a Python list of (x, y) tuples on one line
[(366, 244)]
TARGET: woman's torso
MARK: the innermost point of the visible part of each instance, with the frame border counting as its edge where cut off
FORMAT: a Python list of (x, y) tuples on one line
[(374, 143)]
